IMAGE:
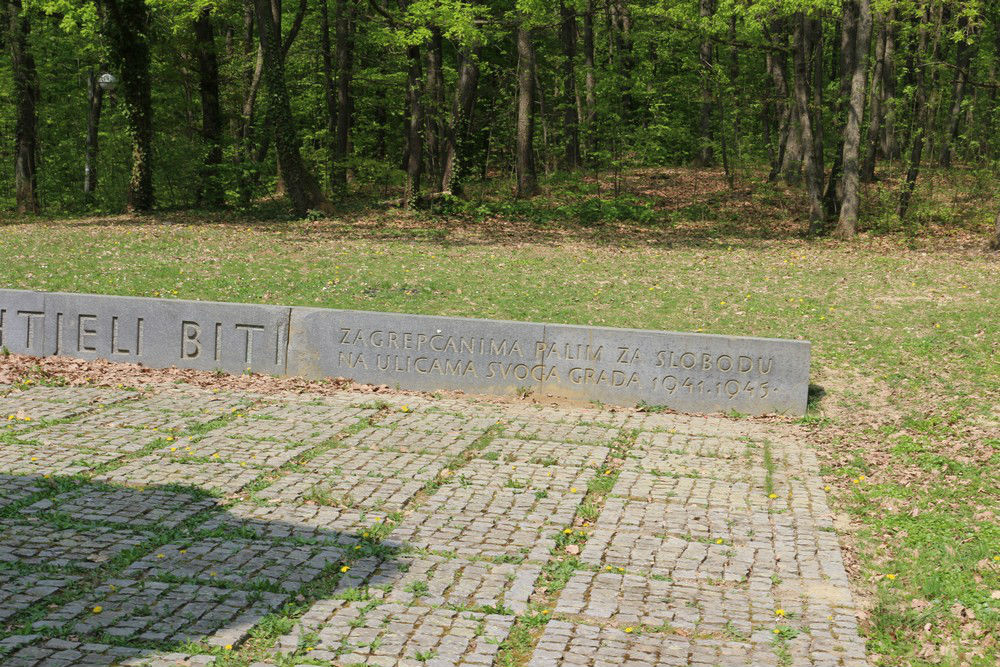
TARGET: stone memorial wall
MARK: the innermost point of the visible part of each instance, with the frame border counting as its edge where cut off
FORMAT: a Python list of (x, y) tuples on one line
[(682, 371)]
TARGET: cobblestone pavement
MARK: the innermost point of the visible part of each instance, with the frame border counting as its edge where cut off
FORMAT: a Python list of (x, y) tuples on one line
[(176, 526)]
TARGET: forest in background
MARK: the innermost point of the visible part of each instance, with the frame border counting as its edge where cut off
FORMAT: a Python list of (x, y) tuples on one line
[(219, 103)]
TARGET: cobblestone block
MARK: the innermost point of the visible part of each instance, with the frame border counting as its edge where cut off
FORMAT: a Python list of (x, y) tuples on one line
[(161, 612), (18, 591), (436, 581), (15, 489), (354, 491), (394, 634), (258, 453), (407, 440), (38, 543), (102, 438), (154, 470), (669, 606), (525, 477), (585, 434), (328, 413), (544, 452), (566, 643), (278, 431), (66, 653), (42, 460), (237, 562), (327, 525), (488, 522), (129, 507)]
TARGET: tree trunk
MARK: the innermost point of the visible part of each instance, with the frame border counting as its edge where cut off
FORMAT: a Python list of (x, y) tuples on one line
[(706, 155), (248, 172), (25, 108), (570, 129), (345, 101), (888, 146), (95, 101), (210, 191), (434, 109), (457, 138), (877, 108), (126, 29), (813, 171), (301, 187), (962, 59), (777, 63), (846, 54), (995, 241), (590, 83), (917, 136), (414, 130), (329, 93), (848, 220), (527, 181)]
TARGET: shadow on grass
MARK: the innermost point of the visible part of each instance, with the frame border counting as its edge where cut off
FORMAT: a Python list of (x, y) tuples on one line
[(100, 574)]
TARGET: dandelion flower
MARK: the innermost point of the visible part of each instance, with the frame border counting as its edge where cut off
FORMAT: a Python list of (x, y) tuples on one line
[(890, 576), (772, 496), (98, 609), (719, 541), (345, 568), (229, 647), (779, 612), (628, 630)]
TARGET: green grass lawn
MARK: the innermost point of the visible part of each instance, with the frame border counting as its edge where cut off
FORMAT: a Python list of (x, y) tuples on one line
[(905, 333)]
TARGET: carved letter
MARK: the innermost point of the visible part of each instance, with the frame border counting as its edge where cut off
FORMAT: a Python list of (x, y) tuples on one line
[(30, 316), (190, 343), (251, 329), (82, 332)]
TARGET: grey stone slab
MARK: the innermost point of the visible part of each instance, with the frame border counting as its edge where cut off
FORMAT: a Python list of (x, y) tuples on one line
[(419, 352), (683, 371), (21, 321), (687, 372), (155, 332)]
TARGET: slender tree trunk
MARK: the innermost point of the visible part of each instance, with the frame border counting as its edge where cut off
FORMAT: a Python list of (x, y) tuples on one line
[(917, 135), (211, 191), (414, 129), (995, 241), (25, 108), (848, 220), (457, 137), (434, 109), (777, 63), (329, 91), (877, 108), (888, 146), (706, 157), (249, 172), (590, 83), (95, 101), (962, 59), (300, 185), (846, 53), (813, 171), (527, 181), (570, 117), (345, 100), (126, 29)]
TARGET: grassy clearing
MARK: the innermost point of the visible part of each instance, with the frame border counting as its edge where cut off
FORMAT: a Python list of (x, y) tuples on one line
[(904, 325)]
